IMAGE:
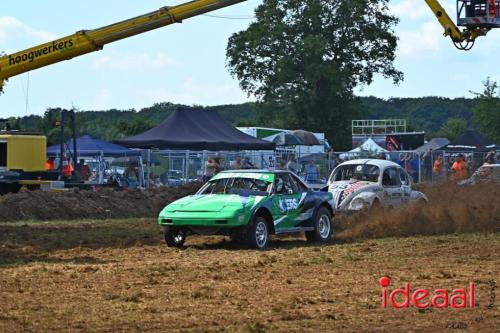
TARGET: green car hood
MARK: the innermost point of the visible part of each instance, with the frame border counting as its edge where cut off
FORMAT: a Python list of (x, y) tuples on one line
[(209, 203)]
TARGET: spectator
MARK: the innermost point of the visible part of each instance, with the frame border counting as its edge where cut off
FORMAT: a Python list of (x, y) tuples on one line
[(247, 164), (85, 172), (237, 164), (219, 163), (414, 163), (271, 163), (311, 172), (459, 168), (67, 167), (292, 165), (437, 168), (210, 169), (282, 165)]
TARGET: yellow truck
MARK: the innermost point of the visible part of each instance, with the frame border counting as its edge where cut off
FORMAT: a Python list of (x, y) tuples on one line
[(22, 161)]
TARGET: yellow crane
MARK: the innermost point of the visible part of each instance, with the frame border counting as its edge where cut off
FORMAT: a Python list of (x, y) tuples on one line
[(86, 41), (477, 16)]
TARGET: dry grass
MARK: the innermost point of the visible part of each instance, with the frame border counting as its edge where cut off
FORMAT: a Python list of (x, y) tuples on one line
[(118, 276)]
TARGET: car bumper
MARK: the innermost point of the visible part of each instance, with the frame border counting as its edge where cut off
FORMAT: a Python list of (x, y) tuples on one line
[(201, 220)]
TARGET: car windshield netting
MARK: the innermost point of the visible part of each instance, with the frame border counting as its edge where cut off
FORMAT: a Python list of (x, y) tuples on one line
[(365, 172), (241, 186)]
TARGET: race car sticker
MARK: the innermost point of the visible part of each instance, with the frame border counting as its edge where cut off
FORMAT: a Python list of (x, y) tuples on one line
[(278, 221), (287, 205), (350, 189), (302, 197), (257, 200)]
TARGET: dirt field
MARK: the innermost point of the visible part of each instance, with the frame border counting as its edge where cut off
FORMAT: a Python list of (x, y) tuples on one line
[(118, 276), (76, 204)]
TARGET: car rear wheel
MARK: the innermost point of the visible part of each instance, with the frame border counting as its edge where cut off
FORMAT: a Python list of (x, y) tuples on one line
[(258, 234), (175, 237), (323, 228)]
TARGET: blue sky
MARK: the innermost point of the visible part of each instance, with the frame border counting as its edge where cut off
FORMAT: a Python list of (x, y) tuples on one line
[(185, 63)]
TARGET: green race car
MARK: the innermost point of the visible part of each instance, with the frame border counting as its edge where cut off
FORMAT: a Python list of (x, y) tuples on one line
[(250, 205)]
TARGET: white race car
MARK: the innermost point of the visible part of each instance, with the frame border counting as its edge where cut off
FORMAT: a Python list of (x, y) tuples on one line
[(486, 174), (361, 184)]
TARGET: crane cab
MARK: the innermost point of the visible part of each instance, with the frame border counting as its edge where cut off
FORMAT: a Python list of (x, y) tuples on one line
[(478, 14)]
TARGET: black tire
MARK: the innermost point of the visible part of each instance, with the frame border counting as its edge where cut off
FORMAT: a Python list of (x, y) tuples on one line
[(175, 237), (258, 233), (323, 228)]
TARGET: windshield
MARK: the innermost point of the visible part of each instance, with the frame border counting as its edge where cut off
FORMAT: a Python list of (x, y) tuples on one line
[(241, 186), (365, 172)]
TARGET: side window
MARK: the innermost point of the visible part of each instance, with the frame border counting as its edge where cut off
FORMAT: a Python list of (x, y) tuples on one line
[(284, 185), (290, 187), (279, 185), (390, 177), (403, 177), (299, 185)]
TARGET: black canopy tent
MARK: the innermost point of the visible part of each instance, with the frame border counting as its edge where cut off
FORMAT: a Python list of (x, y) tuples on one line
[(470, 141), (195, 129)]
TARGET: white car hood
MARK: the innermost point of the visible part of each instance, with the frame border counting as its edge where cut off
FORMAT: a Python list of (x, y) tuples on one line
[(343, 191)]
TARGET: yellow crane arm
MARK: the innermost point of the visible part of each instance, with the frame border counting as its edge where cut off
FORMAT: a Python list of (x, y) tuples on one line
[(463, 40), (450, 28), (86, 41)]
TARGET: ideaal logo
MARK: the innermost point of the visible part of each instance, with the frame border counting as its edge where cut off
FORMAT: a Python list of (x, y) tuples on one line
[(424, 298), (421, 298)]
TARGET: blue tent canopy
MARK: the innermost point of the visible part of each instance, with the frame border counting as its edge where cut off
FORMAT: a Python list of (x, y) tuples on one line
[(89, 146)]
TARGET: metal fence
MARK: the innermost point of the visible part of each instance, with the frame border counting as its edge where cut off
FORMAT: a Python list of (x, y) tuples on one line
[(174, 167)]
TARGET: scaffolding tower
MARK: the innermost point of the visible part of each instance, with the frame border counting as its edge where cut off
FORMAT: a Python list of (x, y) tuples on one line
[(373, 127)]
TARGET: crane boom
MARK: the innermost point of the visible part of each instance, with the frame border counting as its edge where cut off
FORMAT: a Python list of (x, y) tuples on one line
[(463, 39), (478, 17), (86, 41)]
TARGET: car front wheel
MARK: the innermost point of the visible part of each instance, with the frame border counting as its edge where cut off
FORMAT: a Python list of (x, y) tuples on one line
[(323, 228), (258, 234), (175, 237)]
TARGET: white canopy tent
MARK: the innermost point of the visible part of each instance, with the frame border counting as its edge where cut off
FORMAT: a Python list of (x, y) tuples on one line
[(369, 147)]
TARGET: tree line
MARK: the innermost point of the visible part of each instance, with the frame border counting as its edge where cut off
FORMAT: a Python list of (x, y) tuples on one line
[(436, 116)]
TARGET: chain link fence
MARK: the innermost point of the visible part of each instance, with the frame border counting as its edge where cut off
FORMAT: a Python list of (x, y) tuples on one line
[(177, 167)]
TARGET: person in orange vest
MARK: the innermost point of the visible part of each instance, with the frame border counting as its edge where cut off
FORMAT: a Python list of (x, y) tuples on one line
[(437, 168), (459, 168), (50, 164), (67, 167)]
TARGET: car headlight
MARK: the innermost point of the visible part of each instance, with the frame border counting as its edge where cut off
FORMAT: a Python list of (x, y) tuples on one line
[(358, 204)]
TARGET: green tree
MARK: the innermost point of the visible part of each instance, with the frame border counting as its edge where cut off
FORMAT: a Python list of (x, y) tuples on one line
[(453, 128), (134, 127), (302, 59), (486, 113)]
